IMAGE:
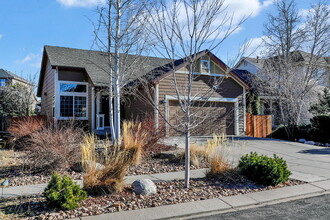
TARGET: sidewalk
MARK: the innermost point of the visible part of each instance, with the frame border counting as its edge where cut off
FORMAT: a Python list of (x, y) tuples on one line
[(315, 186), (216, 205), (25, 190)]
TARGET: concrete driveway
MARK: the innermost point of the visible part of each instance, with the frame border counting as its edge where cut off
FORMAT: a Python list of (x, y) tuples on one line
[(308, 163)]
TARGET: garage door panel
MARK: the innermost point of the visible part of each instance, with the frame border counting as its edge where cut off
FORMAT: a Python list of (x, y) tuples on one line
[(212, 117)]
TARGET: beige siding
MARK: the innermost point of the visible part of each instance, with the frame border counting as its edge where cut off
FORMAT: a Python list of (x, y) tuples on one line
[(228, 88), (137, 108), (48, 91)]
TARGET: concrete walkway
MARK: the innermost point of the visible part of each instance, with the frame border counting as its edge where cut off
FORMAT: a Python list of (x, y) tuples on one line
[(26, 190)]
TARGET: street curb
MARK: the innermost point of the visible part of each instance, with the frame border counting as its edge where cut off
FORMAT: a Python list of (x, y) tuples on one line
[(218, 205)]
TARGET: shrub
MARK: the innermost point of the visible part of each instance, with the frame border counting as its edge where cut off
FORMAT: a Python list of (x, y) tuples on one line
[(22, 127), (54, 147), (152, 135), (63, 193), (264, 170), (320, 128)]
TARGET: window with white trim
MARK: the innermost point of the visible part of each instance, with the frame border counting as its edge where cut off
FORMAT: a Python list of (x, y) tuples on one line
[(2, 82), (205, 66), (73, 100)]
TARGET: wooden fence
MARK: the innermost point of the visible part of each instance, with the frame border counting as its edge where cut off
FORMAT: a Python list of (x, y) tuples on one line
[(258, 125)]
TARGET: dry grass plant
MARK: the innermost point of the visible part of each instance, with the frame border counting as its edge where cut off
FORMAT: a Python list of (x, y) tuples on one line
[(215, 152), (134, 139), (115, 158), (220, 148)]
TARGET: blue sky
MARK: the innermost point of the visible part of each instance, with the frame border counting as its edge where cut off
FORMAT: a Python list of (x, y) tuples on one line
[(27, 25)]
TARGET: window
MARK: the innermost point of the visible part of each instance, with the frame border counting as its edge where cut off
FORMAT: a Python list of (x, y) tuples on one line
[(73, 100), (205, 66), (2, 82), (70, 87)]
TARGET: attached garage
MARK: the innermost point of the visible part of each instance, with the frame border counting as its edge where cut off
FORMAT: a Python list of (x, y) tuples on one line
[(216, 116)]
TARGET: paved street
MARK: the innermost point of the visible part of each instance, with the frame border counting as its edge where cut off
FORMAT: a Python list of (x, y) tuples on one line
[(310, 208)]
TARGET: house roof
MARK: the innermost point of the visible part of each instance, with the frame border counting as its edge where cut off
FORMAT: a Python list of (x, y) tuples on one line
[(5, 74), (96, 64), (243, 74), (298, 56)]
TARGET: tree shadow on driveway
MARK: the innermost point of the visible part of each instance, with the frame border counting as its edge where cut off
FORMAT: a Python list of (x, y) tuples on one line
[(322, 151)]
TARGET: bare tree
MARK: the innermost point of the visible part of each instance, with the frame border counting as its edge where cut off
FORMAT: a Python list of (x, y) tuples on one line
[(18, 99), (290, 76), (120, 33), (181, 31)]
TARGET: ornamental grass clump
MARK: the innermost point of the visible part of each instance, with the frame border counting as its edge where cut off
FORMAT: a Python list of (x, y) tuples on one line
[(63, 193), (264, 170), (114, 159), (219, 151), (215, 153)]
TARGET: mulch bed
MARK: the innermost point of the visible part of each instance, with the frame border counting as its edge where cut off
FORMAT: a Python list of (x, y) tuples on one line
[(171, 192)]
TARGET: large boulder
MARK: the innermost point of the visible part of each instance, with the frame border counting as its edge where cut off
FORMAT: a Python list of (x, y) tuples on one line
[(144, 187)]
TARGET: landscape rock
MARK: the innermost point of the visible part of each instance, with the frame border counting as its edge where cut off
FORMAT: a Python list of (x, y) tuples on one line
[(310, 142), (302, 140), (168, 154), (144, 187), (97, 165), (77, 167)]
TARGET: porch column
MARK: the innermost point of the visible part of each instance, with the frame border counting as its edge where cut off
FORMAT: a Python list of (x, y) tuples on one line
[(98, 103), (236, 118), (93, 108), (156, 107)]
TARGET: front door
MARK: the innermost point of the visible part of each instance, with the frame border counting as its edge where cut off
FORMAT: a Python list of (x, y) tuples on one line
[(105, 109)]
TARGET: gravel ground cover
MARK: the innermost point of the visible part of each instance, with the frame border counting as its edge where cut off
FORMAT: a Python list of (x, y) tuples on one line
[(170, 192), (18, 175), (148, 166)]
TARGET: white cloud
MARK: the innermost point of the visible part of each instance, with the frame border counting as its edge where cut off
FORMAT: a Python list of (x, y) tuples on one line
[(244, 8), (305, 12), (233, 12), (1, 36), (31, 59), (81, 3), (255, 46)]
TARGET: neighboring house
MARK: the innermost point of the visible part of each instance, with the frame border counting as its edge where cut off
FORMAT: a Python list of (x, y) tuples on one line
[(72, 84), (249, 67), (8, 78), (300, 59)]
